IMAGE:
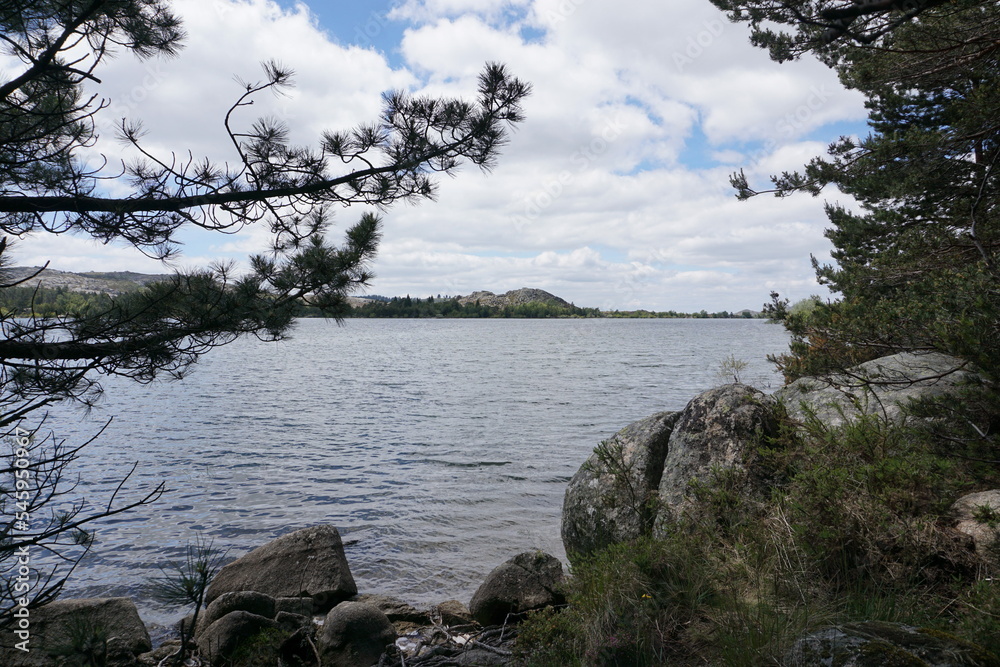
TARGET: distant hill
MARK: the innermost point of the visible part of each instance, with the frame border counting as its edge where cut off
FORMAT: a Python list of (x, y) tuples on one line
[(516, 297), (521, 303), (91, 282), (478, 304)]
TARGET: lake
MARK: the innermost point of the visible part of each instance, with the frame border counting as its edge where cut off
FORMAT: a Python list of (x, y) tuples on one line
[(439, 448)]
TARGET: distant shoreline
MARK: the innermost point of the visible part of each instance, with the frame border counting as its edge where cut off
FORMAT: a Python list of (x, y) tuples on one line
[(49, 293)]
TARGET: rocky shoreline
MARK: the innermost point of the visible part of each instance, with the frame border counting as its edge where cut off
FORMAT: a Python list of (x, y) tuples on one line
[(297, 591)]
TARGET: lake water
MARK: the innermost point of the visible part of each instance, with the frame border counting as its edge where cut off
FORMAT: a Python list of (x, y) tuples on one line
[(441, 448)]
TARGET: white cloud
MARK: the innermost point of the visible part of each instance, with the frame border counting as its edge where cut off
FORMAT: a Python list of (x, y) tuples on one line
[(613, 193), (70, 252), (183, 101)]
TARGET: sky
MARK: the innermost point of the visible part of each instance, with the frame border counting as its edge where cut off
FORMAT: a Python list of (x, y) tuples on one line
[(613, 193)]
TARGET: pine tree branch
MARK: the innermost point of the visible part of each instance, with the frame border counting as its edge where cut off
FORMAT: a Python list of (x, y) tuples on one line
[(74, 204)]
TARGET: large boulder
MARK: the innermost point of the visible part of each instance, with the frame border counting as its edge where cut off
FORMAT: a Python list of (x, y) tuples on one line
[(354, 634), (108, 628), (610, 499), (882, 386), (719, 429), (876, 643), (306, 563), (530, 580), (978, 516), (220, 640)]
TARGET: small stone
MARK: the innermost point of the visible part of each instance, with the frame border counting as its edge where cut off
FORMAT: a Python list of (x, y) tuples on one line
[(157, 655), (453, 612), (302, 606), (354, 634), (222, 638), (292, 622), (396, 610), (978, 516), (528, 581), (251, 601)]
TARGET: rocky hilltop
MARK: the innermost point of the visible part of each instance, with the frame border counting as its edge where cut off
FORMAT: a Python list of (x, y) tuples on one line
[(513, 298), (93, 282)]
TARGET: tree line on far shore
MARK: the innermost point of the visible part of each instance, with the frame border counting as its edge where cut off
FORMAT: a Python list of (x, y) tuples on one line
[(62, 301), (398, 307), (51, 302)]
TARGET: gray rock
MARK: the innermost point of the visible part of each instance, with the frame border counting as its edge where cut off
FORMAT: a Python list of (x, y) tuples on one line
[(978, 516), (876, 643), (63, 624), (717, 430), (220, 640), (291, 622), (302, 606), (354, 634), (396, 610), (307, 563), (528, 581), (453, 612), (611, 498), (880, 386), (157, 656), (251, 601), (477, 657)]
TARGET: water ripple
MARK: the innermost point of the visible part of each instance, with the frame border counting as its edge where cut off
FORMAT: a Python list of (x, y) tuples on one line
[(442, 447)]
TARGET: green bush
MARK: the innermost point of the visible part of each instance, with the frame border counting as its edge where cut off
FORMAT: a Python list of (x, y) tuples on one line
[(629, 605), (854, 528), (85, 645)]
